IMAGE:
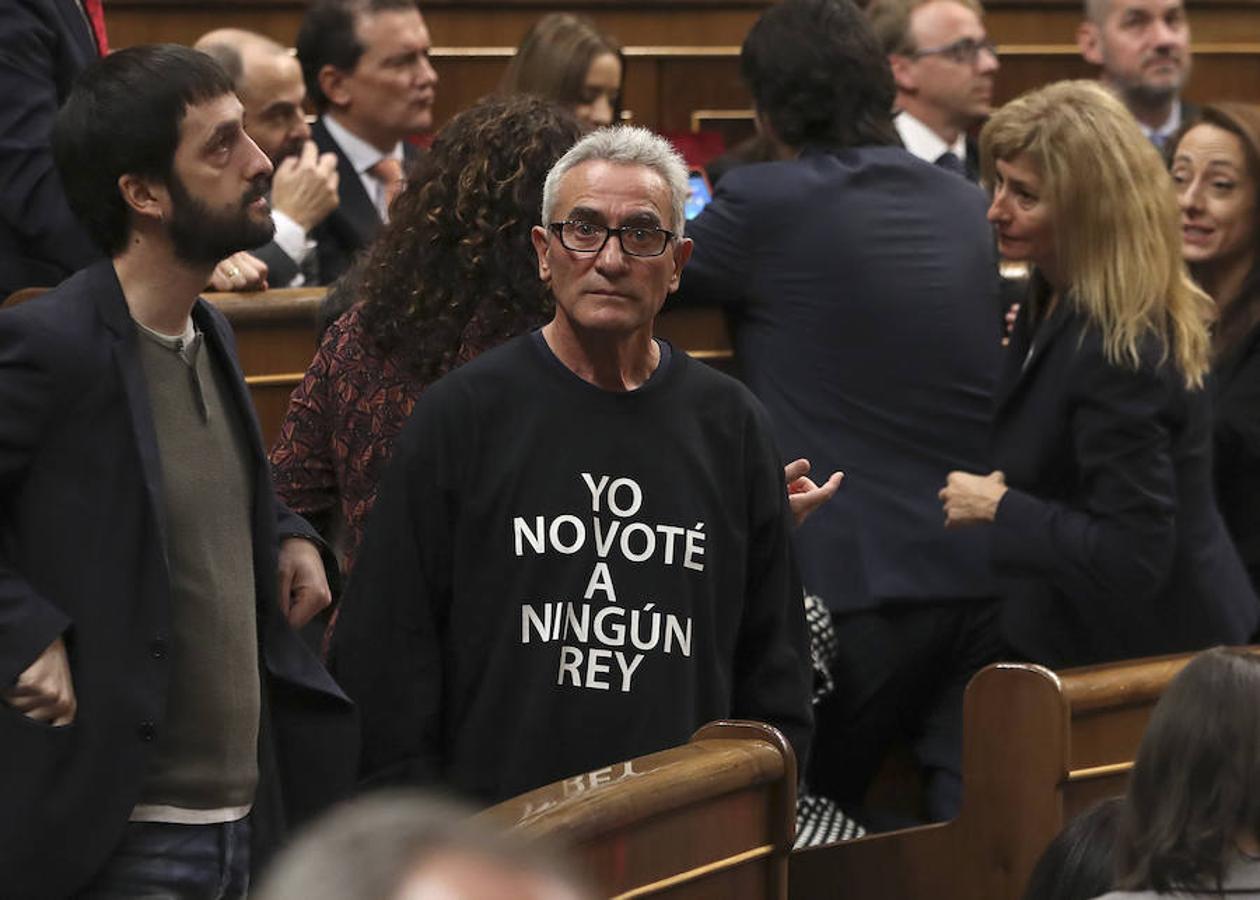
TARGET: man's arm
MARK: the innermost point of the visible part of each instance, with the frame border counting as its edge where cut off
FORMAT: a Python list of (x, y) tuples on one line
[(386, 650), (32, 200), (32, 656), (720, 269), (773, 673)]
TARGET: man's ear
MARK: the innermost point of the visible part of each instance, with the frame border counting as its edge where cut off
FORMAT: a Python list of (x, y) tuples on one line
[(682, 253), (904, 72), (540, 236), (147, 198), (332, 81), (1089, 39)]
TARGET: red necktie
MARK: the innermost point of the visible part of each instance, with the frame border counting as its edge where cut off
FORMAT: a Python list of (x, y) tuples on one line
[(96, 18)]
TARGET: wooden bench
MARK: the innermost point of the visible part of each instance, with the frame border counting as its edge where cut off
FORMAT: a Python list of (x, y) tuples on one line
[(713, 818), (1038, 747)]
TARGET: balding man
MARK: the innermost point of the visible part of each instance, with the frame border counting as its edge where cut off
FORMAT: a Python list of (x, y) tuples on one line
[(268, 81), (943, 64), (1143, 47)]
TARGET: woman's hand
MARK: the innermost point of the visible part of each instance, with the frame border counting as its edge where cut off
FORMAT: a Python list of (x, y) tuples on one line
[(971, 499)]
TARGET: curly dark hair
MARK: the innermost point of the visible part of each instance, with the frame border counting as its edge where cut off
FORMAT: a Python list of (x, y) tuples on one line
[(818, 75), (458, 243)]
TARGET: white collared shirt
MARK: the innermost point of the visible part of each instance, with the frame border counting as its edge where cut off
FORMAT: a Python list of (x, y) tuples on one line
[(363, 156), (925, 143), (1160, 136), (295, 242)]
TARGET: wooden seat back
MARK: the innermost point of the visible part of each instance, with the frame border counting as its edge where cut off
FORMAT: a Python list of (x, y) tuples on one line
[(713, 818), (1038, 747)]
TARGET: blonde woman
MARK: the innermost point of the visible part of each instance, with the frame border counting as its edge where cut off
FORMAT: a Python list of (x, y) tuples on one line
[(1104, 523)]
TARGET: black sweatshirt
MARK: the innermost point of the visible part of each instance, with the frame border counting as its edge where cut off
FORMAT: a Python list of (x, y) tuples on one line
[(556, 577)]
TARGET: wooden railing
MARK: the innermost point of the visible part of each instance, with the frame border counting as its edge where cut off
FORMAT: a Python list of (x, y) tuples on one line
[(712, 818)]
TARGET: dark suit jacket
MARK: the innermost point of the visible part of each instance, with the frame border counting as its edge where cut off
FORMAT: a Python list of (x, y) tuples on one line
[(81, 555), (281, 267), (1109, 540), (44, 44), (1236, 429), (863, 290), (354, 223)]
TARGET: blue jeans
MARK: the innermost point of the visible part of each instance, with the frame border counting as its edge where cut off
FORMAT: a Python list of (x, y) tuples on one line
[(158, 861)]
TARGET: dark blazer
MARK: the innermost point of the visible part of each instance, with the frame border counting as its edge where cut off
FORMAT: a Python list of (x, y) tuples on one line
[(355, 221), (44, 44), (1236, 431), (81, 538), (862, 287), (281, 267), (1109, 540)]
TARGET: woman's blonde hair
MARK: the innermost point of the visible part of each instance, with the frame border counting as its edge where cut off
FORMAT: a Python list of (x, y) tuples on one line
[(1117, 227)]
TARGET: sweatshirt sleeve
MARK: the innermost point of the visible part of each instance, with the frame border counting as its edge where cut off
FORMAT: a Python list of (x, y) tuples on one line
[(386, 651), (773, 675)]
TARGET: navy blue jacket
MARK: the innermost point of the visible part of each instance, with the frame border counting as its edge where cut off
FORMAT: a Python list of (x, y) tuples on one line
[(81, 555), (44, 44), (1109, 542), (863, 291)]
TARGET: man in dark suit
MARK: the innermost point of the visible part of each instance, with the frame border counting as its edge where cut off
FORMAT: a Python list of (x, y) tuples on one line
[(268, 82), (158, 714), (1143, 47), (44, 44), (367, 70), (863, 288), (943, 64)]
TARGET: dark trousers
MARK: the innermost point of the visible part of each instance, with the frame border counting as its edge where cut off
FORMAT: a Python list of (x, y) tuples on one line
[(159, 861), (900, 676)]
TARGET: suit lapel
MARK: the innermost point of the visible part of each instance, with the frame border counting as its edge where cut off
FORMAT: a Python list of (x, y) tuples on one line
[(356, 209), (1027, 351), (79, 30), (107, 294)]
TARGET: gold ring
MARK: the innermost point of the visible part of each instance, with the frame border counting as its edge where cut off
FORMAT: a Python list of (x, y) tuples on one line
[(233, 272)]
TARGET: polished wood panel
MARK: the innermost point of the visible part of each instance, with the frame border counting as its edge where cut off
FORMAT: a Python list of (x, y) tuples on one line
[(714, 818), (1038, 747)]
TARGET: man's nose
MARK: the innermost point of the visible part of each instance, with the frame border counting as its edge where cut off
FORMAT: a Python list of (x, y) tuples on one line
[(987, 60), (611, 256), (258, 164), (300, 130)]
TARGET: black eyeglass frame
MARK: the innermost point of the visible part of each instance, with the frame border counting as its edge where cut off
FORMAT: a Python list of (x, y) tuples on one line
[(964, 51), (557, 228)]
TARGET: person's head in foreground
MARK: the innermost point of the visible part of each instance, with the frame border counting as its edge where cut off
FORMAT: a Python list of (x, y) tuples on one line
[(1193, 807), (1079, 864), (1082, 195), (404, 846)]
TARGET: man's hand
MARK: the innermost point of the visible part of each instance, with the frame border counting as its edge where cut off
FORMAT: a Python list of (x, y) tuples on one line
[(304, 187), (45, 691), (972, 499), (803, 495), (303, 584), (241, 271)]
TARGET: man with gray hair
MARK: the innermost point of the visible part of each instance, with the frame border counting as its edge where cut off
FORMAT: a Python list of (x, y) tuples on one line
[(943, 64), (580, 552), (1143, 47)]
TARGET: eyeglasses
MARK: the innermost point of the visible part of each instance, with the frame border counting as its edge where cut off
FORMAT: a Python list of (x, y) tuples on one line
[(635, 240), (964, 51)]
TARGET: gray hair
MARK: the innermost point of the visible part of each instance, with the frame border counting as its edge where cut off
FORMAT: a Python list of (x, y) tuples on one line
[(368, 846), (1096, 10), (627, 145)]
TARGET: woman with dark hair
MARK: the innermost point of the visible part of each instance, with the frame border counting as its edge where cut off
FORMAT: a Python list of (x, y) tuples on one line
[(1105, 526), (1216, 168), (565, 58), (452, 274), (1191, 826), (1079, 864)]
